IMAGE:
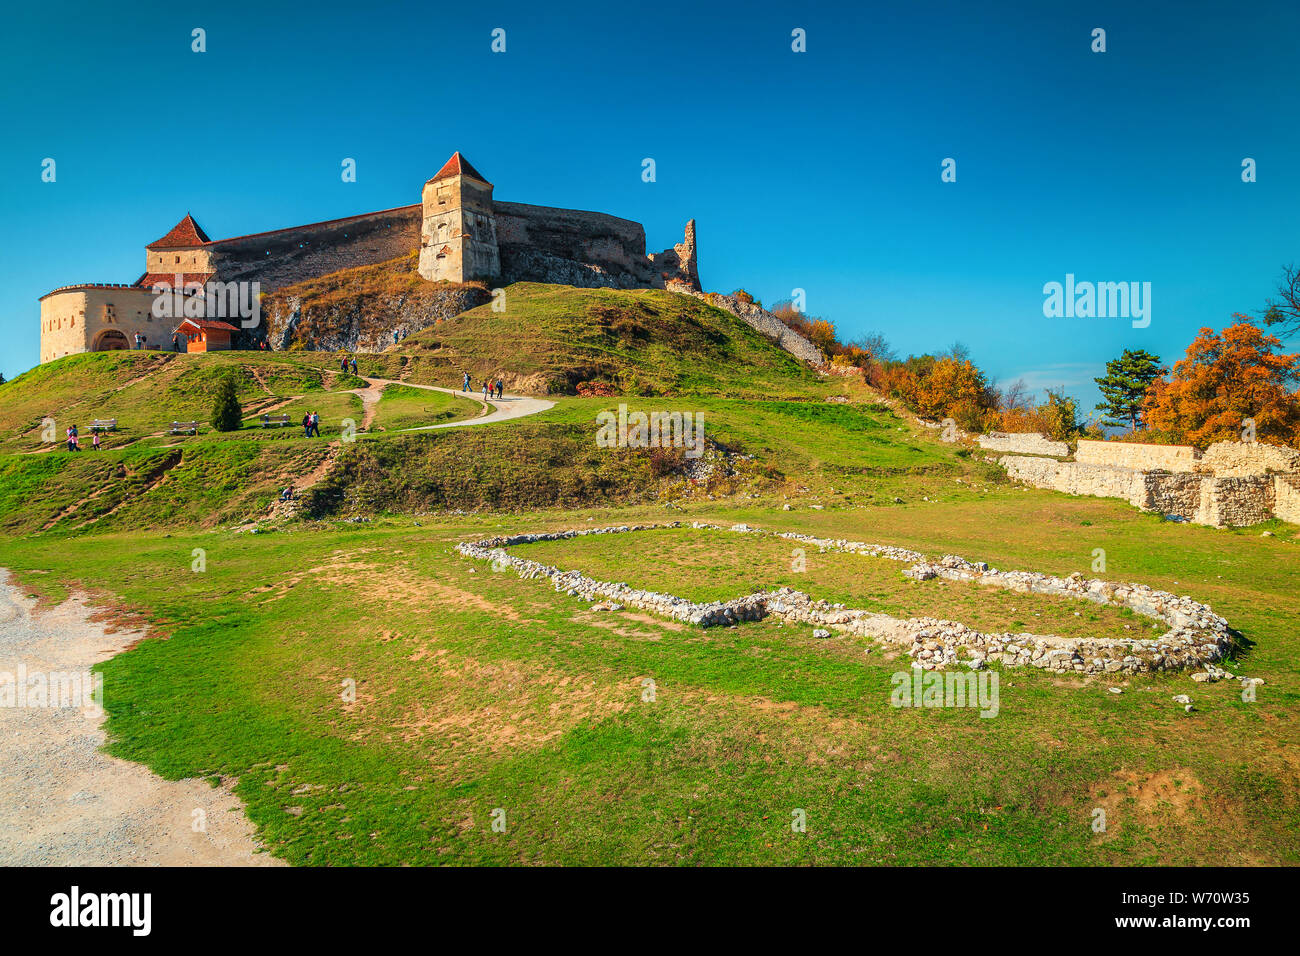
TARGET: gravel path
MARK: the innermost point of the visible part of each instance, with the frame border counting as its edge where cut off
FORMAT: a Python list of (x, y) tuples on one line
[(65, 803)]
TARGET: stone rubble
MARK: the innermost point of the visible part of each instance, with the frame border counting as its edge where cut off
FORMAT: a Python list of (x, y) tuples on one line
[(1197, 636)]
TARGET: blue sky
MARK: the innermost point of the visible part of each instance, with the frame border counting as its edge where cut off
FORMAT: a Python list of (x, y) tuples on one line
[(816, 170)]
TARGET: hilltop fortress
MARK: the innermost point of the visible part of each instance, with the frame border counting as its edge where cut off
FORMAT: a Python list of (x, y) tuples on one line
[(461, 232)]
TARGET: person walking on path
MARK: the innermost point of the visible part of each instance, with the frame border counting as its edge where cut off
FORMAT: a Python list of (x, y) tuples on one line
[(354, 365), (500, 388), (485, 390), (465, 385), (306, 426), (94, 442)]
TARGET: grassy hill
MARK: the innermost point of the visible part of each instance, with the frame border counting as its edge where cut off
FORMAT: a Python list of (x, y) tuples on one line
[(551, 338), (539, 338), (668, 351)]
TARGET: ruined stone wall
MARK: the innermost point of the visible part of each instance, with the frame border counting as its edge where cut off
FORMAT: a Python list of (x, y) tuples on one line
[(1119, 454), (1077, 478), (763, 321), (1229, 459), (1173, 494), (1286, 498), (1023, 443), (285, 256), (1221, 502), (1235, 502)]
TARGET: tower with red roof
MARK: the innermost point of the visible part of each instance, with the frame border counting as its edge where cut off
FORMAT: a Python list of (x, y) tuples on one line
[(458, 237)]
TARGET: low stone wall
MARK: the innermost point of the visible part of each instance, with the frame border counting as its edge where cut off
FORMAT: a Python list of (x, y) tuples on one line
[(1197, 636), (1286, 498), (1077, 478), (1235, 502), (1235, 459), (1172, 494), (1023, 443), (1231, 486), (1139, 457)]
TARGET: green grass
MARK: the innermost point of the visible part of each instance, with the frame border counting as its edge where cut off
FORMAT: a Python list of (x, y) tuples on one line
[(706, 565), (642, 340), (146, 391), (401, 406), (478, 690)]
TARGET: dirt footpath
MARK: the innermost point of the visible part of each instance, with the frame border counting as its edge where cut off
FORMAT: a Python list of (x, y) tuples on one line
[(65, 803)]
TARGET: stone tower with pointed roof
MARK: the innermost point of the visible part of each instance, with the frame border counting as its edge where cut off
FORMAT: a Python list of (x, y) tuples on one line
[(458, 237)]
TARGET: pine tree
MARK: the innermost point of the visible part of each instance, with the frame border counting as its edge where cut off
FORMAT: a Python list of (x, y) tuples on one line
[(1125, 384), (227, 415)]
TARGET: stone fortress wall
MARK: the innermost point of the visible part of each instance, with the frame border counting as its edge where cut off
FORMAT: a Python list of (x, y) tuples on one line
[(460, 231), (98, 318), (1230, 484), (285, 256)]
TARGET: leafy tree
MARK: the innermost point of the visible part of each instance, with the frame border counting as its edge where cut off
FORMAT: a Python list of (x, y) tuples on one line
[(1124, 386), (227, 415), (1060, 416), (1224, 380), (822, 334)]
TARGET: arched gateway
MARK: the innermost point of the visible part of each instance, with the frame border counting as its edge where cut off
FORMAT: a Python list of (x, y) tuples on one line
[(110, 340)]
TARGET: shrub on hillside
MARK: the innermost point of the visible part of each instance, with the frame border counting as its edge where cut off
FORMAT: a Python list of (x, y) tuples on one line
[(227, 415)]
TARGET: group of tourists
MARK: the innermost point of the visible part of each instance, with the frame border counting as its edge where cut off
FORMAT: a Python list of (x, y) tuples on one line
[(141, 341), (492, 388), (74, 440), (343, 365), (311, 425)]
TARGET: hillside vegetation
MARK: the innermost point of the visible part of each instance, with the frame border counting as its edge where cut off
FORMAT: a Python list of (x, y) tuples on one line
[(551, 339)]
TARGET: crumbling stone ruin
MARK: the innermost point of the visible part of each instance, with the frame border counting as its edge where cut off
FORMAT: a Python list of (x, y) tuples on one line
[(1231, 484), (1023, 443), (1197, 636)]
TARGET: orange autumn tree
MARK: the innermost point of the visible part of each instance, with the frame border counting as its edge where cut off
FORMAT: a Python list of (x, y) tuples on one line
[(1224, 380)]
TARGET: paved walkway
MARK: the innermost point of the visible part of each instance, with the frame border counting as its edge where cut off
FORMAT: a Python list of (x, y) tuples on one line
[(503, 409)]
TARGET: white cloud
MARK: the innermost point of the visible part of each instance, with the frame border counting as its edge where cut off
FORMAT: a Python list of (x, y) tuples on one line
[(1068, 375)]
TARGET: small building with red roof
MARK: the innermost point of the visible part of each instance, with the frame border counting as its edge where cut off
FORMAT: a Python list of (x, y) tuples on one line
[(205, 335)]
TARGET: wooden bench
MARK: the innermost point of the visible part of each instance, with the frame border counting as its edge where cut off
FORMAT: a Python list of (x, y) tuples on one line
[(185, 428), (275, 421), (104, 425)]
